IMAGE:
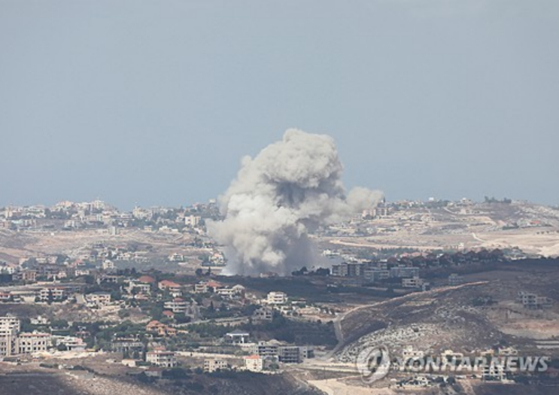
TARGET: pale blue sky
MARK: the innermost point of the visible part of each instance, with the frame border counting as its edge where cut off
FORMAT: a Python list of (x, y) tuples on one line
[(155, 102)]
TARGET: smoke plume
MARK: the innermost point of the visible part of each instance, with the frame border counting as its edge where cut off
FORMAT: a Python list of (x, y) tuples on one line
[(289, 189)]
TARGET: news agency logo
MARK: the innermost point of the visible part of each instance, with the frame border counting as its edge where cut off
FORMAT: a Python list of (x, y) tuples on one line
[(374, 363)]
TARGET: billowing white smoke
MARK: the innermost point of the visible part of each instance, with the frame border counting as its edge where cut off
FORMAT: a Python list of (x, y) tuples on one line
[(290, 188)]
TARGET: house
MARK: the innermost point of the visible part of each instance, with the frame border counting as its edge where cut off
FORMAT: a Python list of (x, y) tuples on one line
[(171, 287), (108, 265), (52, 294), (207, 286), (254, 363), (71, 343), (229, 293), (158, 328), (236, 337), (82, 272), (276, 298), (212, 365), (161, 358), (146, 280), (127, 345), (168, 314), (98, 299), (177, 305), (201, 287), (263, 314), (139, 287), (532, 301), (414, 282), (29, 276)]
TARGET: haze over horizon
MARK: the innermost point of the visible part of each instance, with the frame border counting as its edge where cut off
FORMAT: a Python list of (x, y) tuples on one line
[(151, 103)]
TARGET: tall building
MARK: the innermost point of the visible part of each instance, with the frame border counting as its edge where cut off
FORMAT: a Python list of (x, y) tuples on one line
[(9, 328)]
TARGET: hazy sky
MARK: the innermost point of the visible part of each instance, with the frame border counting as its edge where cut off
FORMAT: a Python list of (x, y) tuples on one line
[(155, 102)]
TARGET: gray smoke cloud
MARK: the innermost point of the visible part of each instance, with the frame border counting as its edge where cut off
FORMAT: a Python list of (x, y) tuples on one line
[(289, 189)]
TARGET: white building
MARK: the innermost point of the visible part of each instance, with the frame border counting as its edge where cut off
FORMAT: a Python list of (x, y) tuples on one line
[(192, 220), (108, 265), (9, 328), (236, 337), (176, 305), (98, 299), (162, 358), (276, 298), (211, 365), (254, 363), (414, 282), (28, 343), (54, 294)]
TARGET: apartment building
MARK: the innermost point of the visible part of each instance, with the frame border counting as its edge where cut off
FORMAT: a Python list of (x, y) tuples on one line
[(212, 365), (276, 298), (162, 358), (28, 343)]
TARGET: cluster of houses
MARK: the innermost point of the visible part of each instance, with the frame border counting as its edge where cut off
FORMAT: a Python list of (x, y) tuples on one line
[(75, 215), (262, 355)]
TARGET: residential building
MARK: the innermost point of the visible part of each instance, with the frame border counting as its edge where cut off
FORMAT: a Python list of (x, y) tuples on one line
[(267, 349), (158, 328), (108, 265), (9, 328), (192, 220), (289, 354), (402, 271), (28, 343), (207, 286), (29, 276), (348, 269), (98, 298), (236, 337), (212, 365), (170, 286), (276, 298), (227, 293), (533, 301), (374, 274), (71, 343), (55, 294), (263, 314), (127, 345), (177, 305), (254, 363), (414, 282), (139, 287), (162, 358)]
